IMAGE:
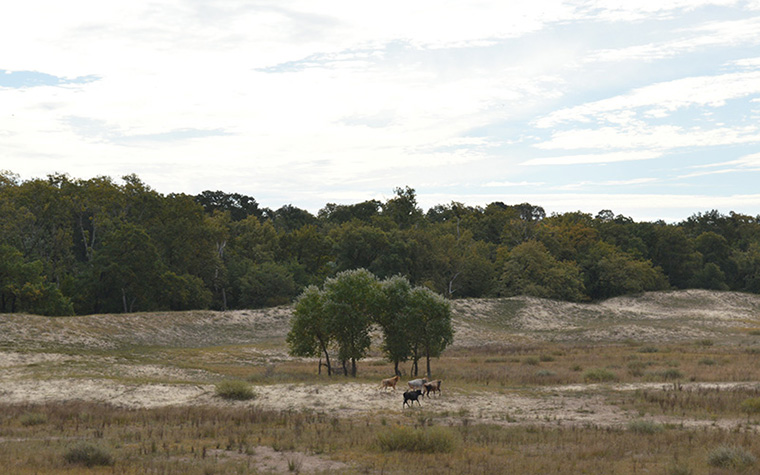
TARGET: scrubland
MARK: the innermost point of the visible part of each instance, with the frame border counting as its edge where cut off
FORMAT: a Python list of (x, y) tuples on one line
[(664, 382)]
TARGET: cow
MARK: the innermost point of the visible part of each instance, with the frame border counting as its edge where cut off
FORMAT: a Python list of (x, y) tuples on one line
[(412, 396), (389, 383), (417, 383), (432, 387)]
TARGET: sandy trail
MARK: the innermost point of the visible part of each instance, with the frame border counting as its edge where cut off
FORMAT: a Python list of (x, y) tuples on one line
[(579, 405)]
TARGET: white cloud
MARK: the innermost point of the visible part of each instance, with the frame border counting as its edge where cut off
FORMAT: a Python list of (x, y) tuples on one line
[(610, 157), (662, 98), (707, 35), (509, 184)]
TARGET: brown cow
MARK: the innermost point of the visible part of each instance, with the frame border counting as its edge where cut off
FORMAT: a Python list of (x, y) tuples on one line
[(432, 387), (390, 383)]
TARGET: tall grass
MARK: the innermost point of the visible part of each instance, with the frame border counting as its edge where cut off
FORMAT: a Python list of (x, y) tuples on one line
[(425, 440)]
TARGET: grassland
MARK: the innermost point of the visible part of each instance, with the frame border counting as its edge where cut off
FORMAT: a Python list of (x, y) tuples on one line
[(657, 383)]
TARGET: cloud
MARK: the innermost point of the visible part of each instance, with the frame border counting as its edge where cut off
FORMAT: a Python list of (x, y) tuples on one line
[(509, 184), (616, 183), (659, 138), (706, 35), (661, 98), (611, 157)]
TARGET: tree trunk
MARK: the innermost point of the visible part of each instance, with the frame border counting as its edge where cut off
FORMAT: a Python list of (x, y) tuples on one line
[(345, 368), (428, 366), (124, 299), (353, 367), (327, 359), (395, 369)]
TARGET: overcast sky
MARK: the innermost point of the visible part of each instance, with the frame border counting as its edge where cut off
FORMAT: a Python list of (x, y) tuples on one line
[(648, 108)]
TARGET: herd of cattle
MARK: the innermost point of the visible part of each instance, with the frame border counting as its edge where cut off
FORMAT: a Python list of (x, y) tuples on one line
[(417, 387)]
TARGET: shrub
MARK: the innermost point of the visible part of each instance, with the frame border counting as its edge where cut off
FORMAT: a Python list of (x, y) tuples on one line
[(707, 362), (405, 439), (751, 405), (636, 368), (545, 373), (599, 375), (88, 455), (644, 427), (671, 374), (731, 457), (648, 349), (234, 390), (33, 419), (531, 360)]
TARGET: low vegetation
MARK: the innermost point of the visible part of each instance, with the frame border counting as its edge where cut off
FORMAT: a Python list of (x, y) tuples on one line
[(544, 401), (235, 390)]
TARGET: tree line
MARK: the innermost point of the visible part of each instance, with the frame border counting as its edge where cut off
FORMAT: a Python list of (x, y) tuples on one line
[(75, 246)]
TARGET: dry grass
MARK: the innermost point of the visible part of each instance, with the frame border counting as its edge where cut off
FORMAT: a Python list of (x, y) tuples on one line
[(648, 384)]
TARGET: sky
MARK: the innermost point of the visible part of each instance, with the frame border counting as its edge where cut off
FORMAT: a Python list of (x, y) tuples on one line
[(647, 108)]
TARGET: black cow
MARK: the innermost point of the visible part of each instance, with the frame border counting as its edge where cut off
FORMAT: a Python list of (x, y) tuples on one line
[(412, 396)]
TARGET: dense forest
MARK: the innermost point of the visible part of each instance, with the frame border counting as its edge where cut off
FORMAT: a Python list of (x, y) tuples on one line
[(72, 246)]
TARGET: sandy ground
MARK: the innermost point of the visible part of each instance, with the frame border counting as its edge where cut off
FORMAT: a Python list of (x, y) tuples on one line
[(40, 357)]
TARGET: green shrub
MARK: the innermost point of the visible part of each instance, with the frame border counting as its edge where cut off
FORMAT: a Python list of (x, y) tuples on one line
[(546, 358), (531, 360), (648, 349), (33, 419), (671, 374), (707, 362), (545, 373), (599, 375), (234, 390), (644, 427), (636, 368), (427, 440), (734, 457), (751, 405), (88, 455)]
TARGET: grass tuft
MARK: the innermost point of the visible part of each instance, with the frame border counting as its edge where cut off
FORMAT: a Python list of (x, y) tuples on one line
[(731, 457), (235, 390), (644, 427), (599, 375), (88, 455), (406, 439)]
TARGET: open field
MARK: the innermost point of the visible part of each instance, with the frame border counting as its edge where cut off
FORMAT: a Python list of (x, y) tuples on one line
[(664, 382)]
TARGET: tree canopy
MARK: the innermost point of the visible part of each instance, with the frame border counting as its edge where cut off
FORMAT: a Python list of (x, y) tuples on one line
[(105, 245)]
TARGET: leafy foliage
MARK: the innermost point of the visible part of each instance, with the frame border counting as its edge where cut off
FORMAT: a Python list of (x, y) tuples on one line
[(98, 245)]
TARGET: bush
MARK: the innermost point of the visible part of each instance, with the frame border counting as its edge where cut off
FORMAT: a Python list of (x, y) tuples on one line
[(644, 427), (88, 455), (599, 375), (731, 457), (428, 441), (235, 390), (751, 405), (671, 374), (33, 419)]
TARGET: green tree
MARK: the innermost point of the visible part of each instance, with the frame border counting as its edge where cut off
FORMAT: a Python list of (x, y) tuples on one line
[(531, 270), (130, 268), (310, 333), (24, 288), (351, 301), (609, 272), (183, 292), (676, 254), (428, 325), (403, 208), (393, 317)]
